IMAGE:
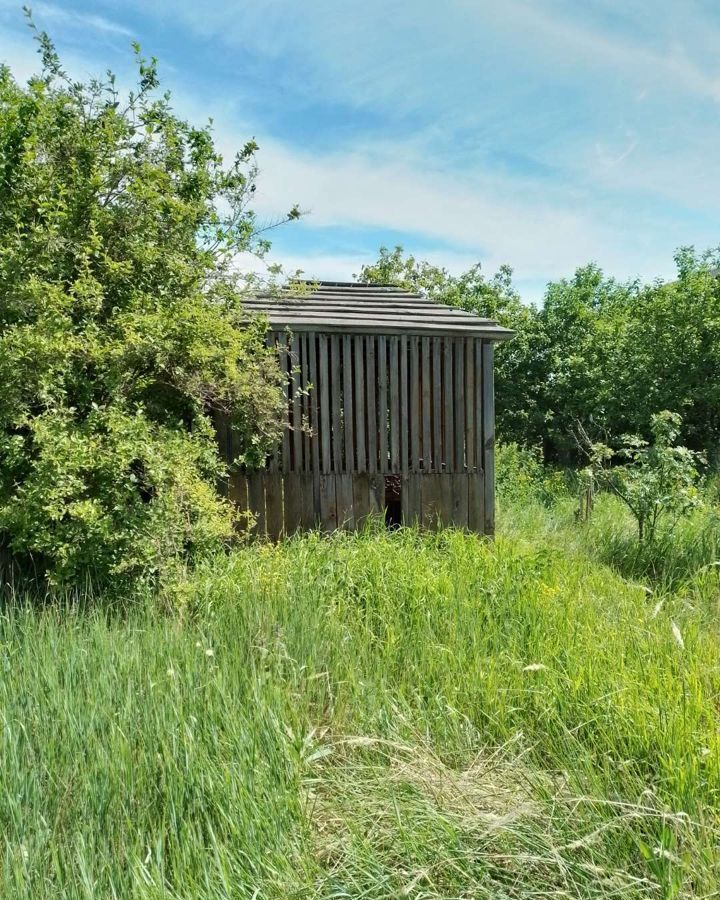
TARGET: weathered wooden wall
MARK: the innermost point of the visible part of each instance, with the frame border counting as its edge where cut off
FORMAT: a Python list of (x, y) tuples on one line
[(362, 407)]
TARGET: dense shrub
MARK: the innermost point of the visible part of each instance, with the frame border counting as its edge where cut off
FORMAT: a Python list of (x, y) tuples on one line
[(120, 334)]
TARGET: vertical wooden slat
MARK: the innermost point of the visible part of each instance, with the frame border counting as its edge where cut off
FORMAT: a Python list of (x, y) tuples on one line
[(489, 436), (469, 405), (437, 458), (395, 423), (476, 502), (344, 500), (445, 498), (310, 504), (314, 418), (271, 461), (426, 375), (273, 505), (324, 387), (336, 385), (415, 409), (293, 502), (404, 412), (359, 403), (348, 404), (412, 498), (256, 501), (382, 411), (431, 491), (459, 516), (448, 404), (306, 401), (459, 404), (328, 507), (238, 495), (296, 417), (284, 461), (478, 406), (361, 498), (371, 394)]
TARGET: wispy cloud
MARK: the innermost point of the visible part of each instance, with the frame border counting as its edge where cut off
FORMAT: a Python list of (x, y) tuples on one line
[(57, 15), (543, 133)]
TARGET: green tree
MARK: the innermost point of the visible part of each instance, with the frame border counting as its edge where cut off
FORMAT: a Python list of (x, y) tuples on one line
[(121, 327), (659, 479), (617, 352)]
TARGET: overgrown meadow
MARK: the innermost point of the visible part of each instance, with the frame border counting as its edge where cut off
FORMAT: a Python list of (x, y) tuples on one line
[(379, 715)]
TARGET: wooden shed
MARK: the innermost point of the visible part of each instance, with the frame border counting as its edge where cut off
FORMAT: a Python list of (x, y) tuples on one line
[(390, 409)]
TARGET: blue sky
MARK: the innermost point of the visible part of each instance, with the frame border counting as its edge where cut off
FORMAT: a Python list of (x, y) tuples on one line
[(539, 133)]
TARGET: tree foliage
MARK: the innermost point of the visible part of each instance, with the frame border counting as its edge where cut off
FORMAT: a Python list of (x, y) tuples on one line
[(656, 479), (121, 327)]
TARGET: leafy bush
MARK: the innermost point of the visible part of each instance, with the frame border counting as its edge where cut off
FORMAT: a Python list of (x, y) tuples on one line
[(121, 328), (521, 474), (659, 480)]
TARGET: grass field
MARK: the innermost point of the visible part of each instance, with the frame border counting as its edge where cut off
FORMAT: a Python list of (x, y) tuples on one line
[(377, 716)]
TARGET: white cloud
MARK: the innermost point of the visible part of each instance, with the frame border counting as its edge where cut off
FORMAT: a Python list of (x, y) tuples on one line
[(54, 14), (481, 217)]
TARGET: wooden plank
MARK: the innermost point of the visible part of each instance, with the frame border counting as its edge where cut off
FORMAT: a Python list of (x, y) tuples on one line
[(459, 514), (459, 403), (412, 499), (293, 502), (348, 404), (361, 498), (382, 411), (296, 463), (371, 395), (476, 502), (284, 355), (404, 413), (256, 502), (438, 456), (426, 375), (445, 499), (311, 506), (328, 507), (389, 327), (415, 408), (344, 500), (469, 406), (305, 401), (272, 461), (448, 406), (395, 423), (431, 494), (274, 505), (336, 389), (359, 403), (314, 404), (489, 436), (324, 387), (478, 407), (363, 307), (238, 496)]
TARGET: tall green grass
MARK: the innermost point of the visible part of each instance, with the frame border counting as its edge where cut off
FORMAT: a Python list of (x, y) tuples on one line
[(376, 715)]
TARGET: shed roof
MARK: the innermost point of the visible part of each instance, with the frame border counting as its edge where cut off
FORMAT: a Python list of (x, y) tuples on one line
[(341, 306)]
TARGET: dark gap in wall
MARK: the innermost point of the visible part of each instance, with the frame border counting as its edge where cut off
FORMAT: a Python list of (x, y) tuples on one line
[(393, 501)]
